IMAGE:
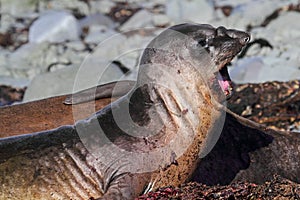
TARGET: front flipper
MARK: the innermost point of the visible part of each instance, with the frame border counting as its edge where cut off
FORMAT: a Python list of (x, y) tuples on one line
[(100, 91)]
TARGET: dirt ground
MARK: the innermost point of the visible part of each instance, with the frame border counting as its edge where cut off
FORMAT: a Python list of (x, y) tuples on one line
[(278, 188)]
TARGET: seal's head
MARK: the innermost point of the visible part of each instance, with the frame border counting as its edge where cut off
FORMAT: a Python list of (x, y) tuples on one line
[(208, 48), (220, 43)]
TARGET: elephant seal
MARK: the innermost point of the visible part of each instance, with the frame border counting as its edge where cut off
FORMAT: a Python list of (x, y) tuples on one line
[(149, 138)]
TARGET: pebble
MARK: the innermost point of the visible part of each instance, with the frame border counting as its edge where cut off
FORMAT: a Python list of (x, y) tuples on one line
[(135, 21), (76, 45), (101, 6), (161, 20), (98, 33), (96, 19), (55, 27), (6, 22)]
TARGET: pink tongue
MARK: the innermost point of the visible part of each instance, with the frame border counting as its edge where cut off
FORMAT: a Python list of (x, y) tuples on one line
[(223, 83)]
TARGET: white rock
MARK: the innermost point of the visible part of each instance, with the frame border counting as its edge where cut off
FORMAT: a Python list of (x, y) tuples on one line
[(20, 82), (76, 45), (29, 60), (102, 6), (247, 70), (65, 81), (54, 26), (96, 19), (122, 48), (17, 9), (161, 20), (233, 3), (141, 19), (72, 56), (152, 4), (75, 5), (110, 49), (4, 54), (98, 33), (262, 69), (7, 22), (36, 58), (4, 71), (132, 49), (197, 11)]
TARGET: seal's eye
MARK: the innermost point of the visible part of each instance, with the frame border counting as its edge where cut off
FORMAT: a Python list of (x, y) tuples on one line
[(202, 42)]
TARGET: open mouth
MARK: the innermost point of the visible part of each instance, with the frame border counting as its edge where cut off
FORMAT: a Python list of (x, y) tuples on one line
[(222, 81), (225, 81)]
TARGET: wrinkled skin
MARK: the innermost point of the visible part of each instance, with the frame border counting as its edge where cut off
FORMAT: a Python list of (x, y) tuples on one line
[(173, 116)]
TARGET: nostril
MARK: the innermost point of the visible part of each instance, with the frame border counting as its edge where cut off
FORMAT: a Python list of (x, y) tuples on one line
[(245, 40)]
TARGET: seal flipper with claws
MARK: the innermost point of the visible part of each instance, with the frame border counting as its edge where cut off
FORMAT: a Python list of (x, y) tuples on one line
[(172, 118)]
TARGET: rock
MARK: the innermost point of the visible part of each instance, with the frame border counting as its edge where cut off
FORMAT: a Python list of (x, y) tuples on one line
[(98, 33), (4, 62), (20, 82), (78, 7), (233, 3), (111, 48), (64, 81), (36, 58), (76, 45), (54, 26), (197, 11), (102, 6), (4, 71), (100, 27), (17, 9), (7, 22), (140, 19), (255, 12), (156, 6), (247, 70), (29, 60), (160, 20), (96, 19), (124, 49), (263, 69), (72, 57)]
